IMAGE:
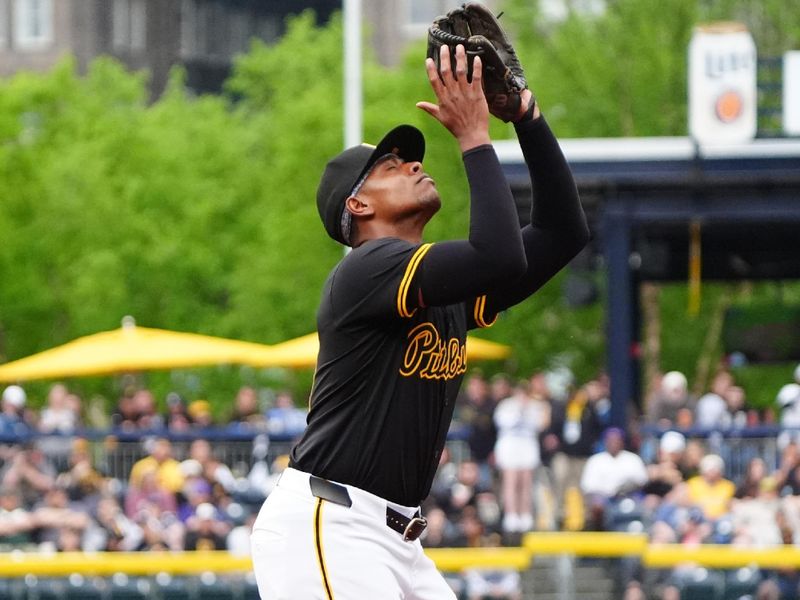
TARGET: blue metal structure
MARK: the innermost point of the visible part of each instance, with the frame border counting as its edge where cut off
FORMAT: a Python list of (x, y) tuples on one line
[(641, 196)]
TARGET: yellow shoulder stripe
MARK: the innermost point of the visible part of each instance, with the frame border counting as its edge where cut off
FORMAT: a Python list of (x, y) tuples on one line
[(480, 307), (411, 269)]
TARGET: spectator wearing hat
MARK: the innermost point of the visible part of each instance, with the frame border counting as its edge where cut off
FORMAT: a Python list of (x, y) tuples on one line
[(788, 401), (12, 413), (710, 490), (205, 531), (611, 474), (665, 473), (200, 414), (671, 402)]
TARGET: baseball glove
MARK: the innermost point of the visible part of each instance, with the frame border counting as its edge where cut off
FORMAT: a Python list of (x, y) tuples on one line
[(477, 29)]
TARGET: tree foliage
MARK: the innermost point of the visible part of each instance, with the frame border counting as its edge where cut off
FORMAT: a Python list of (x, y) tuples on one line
[(198, 213)]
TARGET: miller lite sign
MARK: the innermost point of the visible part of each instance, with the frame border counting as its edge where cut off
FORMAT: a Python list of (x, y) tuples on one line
[(722, 84)]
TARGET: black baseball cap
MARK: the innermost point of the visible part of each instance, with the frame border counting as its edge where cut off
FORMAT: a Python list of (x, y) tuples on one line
[(345, 171)]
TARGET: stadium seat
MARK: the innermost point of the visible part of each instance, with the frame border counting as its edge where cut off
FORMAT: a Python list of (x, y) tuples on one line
[(172, 588), (47, 588), (702, 584), (249, 588), (10, 589), (741, 582), (123, 587), (210, 587), (80, 588)]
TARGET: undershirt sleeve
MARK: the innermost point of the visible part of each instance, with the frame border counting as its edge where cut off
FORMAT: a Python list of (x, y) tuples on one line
[(459, 270)]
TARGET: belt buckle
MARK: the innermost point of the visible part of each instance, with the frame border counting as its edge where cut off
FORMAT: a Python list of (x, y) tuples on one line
[(414, 529)]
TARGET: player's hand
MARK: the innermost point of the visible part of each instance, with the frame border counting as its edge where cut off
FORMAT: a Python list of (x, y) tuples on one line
[(462, 105)]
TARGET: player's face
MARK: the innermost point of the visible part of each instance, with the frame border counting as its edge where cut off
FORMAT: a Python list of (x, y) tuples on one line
[(401, 188)]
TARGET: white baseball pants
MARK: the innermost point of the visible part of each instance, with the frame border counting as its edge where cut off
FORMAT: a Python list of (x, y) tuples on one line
[(307, 548)]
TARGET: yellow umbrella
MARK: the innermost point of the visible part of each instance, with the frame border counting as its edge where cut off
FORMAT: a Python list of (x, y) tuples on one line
[(130, 348), (302, 352)]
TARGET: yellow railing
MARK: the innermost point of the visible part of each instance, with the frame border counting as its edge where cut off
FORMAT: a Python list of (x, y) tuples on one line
[(18, 564)]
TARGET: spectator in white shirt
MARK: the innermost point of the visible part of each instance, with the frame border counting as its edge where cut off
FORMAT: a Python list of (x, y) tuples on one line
[(611, 473), (519, 419)]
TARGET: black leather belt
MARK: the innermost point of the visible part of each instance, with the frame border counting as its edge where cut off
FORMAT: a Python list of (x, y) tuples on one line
[(409, 527)]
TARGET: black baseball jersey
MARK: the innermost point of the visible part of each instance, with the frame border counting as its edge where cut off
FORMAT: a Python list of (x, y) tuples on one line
[(387, 375), (394, 316)]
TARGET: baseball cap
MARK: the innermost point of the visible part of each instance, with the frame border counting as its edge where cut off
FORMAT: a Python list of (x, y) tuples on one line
[(672, 441), (15, 396), (205, 511), (345, 171)]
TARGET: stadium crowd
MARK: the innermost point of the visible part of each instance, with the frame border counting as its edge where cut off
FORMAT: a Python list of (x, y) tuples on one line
[(541, 456)]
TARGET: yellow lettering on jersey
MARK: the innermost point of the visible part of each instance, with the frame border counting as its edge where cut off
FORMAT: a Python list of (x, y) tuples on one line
[(431, 357)]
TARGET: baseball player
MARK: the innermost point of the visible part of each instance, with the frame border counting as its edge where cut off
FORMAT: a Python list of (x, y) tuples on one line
[(344, 520)]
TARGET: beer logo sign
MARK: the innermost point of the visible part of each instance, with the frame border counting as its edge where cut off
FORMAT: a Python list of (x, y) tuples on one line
[(729, 106)]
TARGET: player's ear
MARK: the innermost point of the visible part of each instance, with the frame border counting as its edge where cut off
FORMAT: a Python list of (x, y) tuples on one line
[(358, 207)]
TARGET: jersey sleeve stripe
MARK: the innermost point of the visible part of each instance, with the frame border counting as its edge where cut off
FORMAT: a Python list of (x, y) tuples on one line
[(480, 307), (405, 283)]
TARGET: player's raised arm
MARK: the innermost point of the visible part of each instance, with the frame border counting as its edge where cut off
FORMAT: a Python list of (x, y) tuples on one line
[(457, 270)]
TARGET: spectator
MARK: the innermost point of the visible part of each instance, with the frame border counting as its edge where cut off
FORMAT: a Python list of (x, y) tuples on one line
[(144, 407), (711, 411), (81, 480), (471, 532), (692, 456), (212, 470), (665, 473), (200, 414), (60, 416), (486, 584), (161, 530), (177, 416), (16, 523), (285, 419), (149, 493), (519, 419), (709, 490), (464, 492), (125, 415), (246, 411), (737, 410), (788, 400), (750, 485), (28, 471), (12, 412), (573, 434), (62, 413), (755, 519), (788, 473), (672, 395), (160, 461), (440, 532), (197, 490), (205, 531), (112, 530), (55, 513), (238, 540), (476, 412), (610, 474)]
